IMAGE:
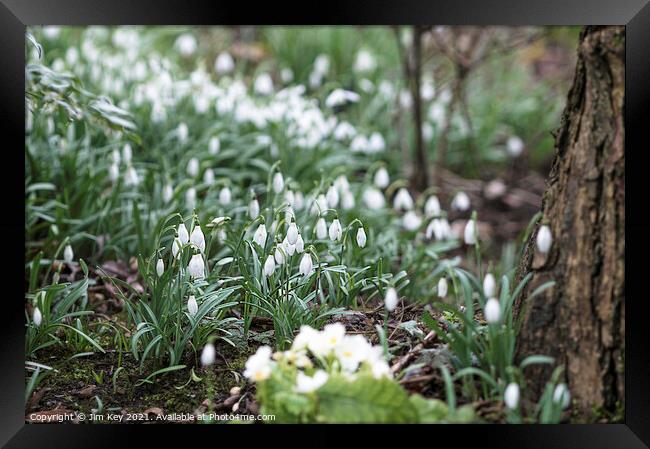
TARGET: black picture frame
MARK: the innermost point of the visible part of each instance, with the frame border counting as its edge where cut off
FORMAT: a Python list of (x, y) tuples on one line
[(15, 15)]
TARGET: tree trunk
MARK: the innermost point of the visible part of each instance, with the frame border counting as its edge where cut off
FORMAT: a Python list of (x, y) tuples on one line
[(420, 180), (580, 320)]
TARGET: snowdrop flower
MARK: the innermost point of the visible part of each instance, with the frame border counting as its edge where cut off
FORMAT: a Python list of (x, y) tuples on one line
[(299, 245), (561, 395), (167, 193), (492, 311), (190, 197), (299, 201), (37, 317), (332, 197), (186, 45), (432, 206), (183, 234), (361, 237), (286, 74), (460, 202), (339, 97), (269, 266), (160, 267), (514, 146), (197, 238), (127, 154), (288, 247), (347, 201), (224, 63), (321, 229), (260, 235), (131, 177), (373, 198), (376, 143), (306, 384), (176, 247), (68, 255), (193, 167), (192, 305), (258, 366), (411, 221), (306, 264), (278, 182), (225, 196), (489, 285), (470, 232), (403, 200), (113, 172), (381, 178), (253, 209), (214, 145), (319, 205), (182, 132), (344, 130), (442, 288), (405, 99), (322, 64), (263, 84), (335, 231), (390, 301), (208, 176), (427, 131), (364, 62), (208, 354), (279, 254), (292, 233), (511, 396), (544, 239), (196, 267)]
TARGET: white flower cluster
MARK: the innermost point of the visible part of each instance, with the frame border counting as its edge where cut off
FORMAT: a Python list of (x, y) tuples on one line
[(331, 347)]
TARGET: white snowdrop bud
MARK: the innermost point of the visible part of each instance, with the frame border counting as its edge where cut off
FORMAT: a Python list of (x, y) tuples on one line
[(300, 244), (390, 301), (432, 206), (253, 209), (68, 255), (347, 200), (190, 198), (561, 395), (411, 221), (269, 266), (197, 238), (176, 247), (492, 311), (514, 146), (361, 237), (511, 396), (225, 196), (167, 193), (186, 44), (160, 267), (127, 154), (381, 178), (278, 182), (403, 200), (214, 145), (192, 305), (288, 247), (193, 167), (442, 287), (460, 202), (208, 355), (131, 176), (37, 317), (373, 198), (224, 63), (278, 255), (306, 264), (196, 267), (332, 197), (260, 235), (544, 239), (335, 230), (470, 232), (182, 132), (263, 84), (208, 176), (292, 233), (113, 172), (321, 229), (183, 234), (489, 285)]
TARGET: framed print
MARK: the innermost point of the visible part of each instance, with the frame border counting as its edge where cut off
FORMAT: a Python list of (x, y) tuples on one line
[(392, 213)]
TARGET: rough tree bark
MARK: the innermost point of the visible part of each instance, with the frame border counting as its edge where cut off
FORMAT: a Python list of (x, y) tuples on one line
[(580, 320)]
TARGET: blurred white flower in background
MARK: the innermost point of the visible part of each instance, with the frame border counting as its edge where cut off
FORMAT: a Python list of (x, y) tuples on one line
[(460, 202), (514, 146), (263, 84), (364, 62), (224, 63), (186, 45)]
